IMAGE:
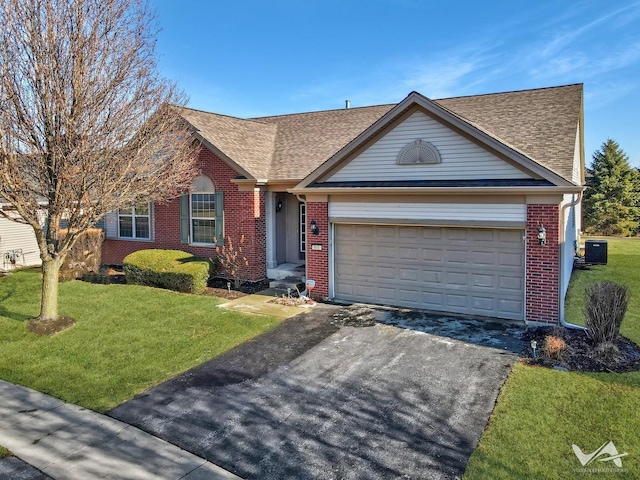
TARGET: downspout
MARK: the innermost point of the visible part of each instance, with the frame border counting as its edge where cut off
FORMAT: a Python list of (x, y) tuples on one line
[(563, 212), (303, 199)]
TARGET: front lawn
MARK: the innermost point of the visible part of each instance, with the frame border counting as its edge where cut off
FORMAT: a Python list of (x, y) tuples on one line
[(126, 339), (540, 413)]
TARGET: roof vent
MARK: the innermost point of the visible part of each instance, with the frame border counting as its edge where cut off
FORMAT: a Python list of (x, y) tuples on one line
[(347, 104), (418, 151)]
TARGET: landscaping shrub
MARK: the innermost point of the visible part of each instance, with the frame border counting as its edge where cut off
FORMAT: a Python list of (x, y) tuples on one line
[(84, 257), (604, 310), (170, 269), (553, 346), (232, 262)]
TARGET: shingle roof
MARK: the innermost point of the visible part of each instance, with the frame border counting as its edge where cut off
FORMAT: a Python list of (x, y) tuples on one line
[(306, 140), (541, 123), (248, 143)]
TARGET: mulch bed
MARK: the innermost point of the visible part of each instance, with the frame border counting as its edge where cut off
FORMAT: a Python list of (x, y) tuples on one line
[(49, 327), (217, 287), (580, 354)]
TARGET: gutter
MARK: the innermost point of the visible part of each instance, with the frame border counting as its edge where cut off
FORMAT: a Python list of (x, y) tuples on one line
[(563, 212)]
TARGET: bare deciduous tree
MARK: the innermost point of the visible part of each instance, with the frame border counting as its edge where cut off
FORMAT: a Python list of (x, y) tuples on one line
[(86, 123)]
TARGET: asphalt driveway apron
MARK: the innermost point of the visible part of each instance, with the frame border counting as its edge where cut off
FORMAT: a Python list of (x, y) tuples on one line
[(313, 400)]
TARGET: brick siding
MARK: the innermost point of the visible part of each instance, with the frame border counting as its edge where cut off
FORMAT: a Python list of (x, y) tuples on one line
[(543, 264), (318, 260), (244, 213)]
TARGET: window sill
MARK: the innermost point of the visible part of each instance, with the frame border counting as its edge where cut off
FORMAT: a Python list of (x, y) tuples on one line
[(207, 245), (129, 239)]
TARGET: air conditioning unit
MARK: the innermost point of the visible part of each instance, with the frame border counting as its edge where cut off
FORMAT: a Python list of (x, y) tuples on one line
[(595, 252)]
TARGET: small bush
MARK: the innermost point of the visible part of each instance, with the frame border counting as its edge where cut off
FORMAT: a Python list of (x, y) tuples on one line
[(170, 269), (553, 346), (605, 307), (84, 257), (232, 262)]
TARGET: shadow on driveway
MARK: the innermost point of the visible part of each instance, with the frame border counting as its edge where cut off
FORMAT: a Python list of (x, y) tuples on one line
[(372, 402)]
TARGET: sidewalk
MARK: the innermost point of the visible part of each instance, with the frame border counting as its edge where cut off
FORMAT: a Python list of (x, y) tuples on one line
[(69, 442)]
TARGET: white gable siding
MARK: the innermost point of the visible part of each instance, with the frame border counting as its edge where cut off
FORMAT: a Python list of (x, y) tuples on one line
[(461, 158), (18, 236), (571, 228), (111, 225), (576, 174), (426, 211)]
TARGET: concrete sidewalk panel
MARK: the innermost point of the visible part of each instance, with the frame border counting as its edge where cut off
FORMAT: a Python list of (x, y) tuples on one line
[(20, 403), (132, 454)]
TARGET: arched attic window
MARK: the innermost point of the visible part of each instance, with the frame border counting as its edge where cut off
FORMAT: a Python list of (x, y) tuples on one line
[(201, 214), (418, 152)]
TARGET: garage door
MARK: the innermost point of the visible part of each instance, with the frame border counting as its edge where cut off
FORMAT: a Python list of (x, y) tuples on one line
[(462, 270)]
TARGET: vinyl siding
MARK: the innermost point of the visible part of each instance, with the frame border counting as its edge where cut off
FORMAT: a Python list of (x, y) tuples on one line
[(427, 211), (111, 225), (568, 248), (576, 174), (17, 236), (461, 158)]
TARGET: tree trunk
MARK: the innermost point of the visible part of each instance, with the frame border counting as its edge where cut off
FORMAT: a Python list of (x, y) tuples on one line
[(49, 303)]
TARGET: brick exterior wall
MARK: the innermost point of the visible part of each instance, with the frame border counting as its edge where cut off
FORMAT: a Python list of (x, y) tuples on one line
[(318, 260), (244, 213), (543, 264)]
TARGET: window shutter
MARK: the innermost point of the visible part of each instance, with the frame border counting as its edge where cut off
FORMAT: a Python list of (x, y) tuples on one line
[(184, 219), (219, 217)]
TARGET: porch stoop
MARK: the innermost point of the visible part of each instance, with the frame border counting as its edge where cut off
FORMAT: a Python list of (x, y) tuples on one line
[(283, 285), (286, 270)]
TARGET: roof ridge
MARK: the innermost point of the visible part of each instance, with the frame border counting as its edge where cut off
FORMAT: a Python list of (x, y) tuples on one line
[(253, 120), (508, 92), (324, 111)]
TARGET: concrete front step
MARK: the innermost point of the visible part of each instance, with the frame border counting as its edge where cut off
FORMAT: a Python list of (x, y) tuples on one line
[(287, 283)]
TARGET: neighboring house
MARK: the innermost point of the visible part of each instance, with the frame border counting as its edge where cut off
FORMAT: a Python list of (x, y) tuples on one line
[(18, 244), (434, 204)]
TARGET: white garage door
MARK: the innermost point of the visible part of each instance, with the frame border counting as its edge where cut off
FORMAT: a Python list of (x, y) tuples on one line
[(462, 270)]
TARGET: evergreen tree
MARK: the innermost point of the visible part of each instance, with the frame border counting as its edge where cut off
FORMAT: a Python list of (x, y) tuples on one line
[(611, 200)]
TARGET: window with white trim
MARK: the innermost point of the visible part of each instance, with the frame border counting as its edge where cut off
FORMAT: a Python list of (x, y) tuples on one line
[(203, 222), (203, 217), (303, 227), (135, 222)]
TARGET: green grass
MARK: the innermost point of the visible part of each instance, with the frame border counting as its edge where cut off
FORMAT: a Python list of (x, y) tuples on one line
[(4, 452), (540, 413), (126, 339)]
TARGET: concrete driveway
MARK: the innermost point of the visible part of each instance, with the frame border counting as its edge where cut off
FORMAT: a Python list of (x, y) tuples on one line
[(313, 399)]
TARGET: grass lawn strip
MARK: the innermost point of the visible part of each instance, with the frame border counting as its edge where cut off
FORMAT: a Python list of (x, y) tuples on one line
[(4, 452), (540, 413), (126, 339)]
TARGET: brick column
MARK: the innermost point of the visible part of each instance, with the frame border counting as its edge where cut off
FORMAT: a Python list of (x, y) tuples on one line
[(318, 260), (543, 264)]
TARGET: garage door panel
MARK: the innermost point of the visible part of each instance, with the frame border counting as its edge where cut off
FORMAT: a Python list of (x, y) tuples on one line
[(483, 281), (410, 274), (459, 279), (482, 258), (432, 255), (385, 251), (462, 270), (408, 253), (510, 259), (514, 307), (511, 283), (386, 273)]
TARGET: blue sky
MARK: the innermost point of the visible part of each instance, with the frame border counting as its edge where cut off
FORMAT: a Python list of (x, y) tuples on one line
[(254, 58)]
